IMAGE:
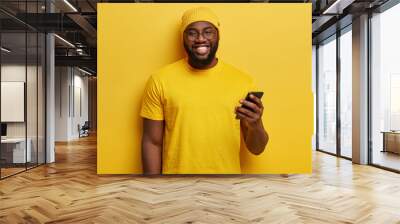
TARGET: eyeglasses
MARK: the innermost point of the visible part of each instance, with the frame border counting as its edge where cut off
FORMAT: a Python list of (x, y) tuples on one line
[(192, 34)]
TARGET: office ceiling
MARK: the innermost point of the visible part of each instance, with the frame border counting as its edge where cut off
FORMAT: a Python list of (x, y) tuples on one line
[(76, 21)]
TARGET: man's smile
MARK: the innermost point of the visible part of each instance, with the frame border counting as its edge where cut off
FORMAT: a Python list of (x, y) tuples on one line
[(202, 49)]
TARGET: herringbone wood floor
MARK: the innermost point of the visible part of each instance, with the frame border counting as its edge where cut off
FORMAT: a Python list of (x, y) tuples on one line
[(69, 191)]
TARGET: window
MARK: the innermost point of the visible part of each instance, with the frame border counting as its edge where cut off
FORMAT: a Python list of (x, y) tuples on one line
[(22, 65), (385, 88), (346, 93), (327, 95)]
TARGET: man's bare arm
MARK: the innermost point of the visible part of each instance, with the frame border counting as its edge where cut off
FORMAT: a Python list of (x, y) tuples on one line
[(152, 145), (256, 138), (254, 134)]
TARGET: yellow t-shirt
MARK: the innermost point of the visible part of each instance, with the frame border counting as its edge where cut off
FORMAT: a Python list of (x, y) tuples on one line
[(201, 133)]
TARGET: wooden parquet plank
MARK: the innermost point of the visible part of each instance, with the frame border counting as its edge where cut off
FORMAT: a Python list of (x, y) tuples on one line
[(70, 191)]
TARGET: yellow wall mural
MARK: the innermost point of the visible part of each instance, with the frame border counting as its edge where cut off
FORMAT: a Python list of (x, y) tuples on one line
[(271, 42)]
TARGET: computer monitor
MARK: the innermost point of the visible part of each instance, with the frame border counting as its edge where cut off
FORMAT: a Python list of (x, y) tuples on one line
[(3, 129)]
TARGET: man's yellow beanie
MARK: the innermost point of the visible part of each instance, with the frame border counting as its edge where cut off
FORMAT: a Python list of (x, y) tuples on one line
[(199, 14)]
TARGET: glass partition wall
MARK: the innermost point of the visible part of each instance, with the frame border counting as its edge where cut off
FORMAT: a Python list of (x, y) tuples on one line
[(22, 88), (334, 104), (385, 89), (326, 60), (345, 62)]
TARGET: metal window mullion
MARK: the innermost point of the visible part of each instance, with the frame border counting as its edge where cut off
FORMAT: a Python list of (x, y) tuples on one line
[(72, 92), (45, 94), (69, 93), (317, 96), (0, 96), (26, 87), (369, 89), (37, 91), (338, 98)]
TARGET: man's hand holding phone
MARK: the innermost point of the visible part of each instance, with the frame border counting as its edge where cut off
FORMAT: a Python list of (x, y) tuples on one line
[(251, 109), (250, 114)]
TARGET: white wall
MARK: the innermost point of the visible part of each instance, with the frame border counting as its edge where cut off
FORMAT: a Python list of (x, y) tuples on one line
[(71, 93), (62, 81), (81, 102)]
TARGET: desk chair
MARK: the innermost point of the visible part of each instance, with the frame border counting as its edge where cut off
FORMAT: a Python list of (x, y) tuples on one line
[(84, 130)]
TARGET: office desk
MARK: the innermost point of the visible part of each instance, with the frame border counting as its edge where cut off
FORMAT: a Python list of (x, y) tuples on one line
[(13, 150), (391, 141)]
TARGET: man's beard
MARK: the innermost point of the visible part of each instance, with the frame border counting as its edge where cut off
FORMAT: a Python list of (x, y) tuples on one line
[(201, 62)]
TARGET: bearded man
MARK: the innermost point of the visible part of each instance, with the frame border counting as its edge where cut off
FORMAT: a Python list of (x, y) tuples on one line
[(192, 118)]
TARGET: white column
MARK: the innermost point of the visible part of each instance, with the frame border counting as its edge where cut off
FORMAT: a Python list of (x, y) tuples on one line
[(360, 90), (50, 92)]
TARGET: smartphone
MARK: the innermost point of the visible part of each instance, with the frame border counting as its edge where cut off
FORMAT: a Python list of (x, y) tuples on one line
[(256, 94)]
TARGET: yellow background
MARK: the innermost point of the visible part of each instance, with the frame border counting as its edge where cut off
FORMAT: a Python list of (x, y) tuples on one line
[(272, 42)]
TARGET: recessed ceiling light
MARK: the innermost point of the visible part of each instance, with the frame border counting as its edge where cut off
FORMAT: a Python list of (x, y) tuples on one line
[(64, 40), (337, 7), (71, 6), (84, 71), (5, 50)]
